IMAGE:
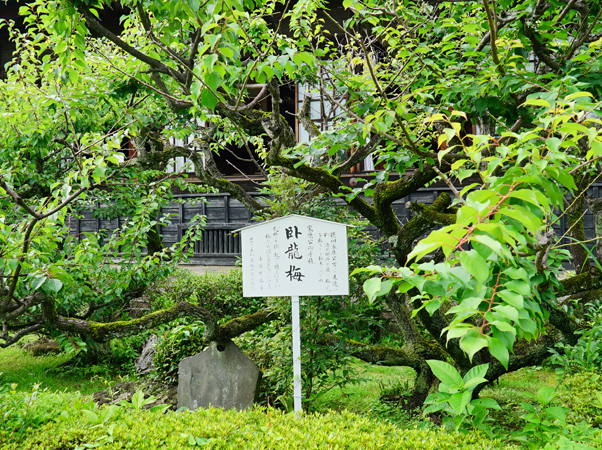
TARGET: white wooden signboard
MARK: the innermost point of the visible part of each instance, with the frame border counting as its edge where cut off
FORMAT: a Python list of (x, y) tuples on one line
[(295, 256)]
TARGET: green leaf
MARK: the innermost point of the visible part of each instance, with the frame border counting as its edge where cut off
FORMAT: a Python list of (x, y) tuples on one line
[(536, 102), (194, 5), (404, 287), (507, 311), (546, 394), (91, 417), (488, 403), (474, 382), (529, 220), (475, 264), (526, 195), (553, 143), (472, 343), (37, 282), (385, 287), (445, 372), (516, 273), (459, 400), (207, 99), (494, 245), (557, 413), (519, 286), (53, 285), (372, 287), (458, 331), (422, 248), (304, 57), (213, 80), (433, 288), (578, 95), (512, 298), (498, 351), (476, 372)]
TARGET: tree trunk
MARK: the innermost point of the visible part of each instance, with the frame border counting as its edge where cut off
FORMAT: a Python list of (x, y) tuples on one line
[(154, 244), (575, 224), (595, 206)]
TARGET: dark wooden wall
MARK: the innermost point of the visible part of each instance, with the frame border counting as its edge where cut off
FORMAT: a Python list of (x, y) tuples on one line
[(218, 246)]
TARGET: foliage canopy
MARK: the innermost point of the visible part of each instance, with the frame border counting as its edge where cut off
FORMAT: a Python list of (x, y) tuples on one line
[(405, 80)]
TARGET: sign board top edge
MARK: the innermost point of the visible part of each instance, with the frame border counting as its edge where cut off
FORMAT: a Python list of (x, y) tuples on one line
[(291, 216)]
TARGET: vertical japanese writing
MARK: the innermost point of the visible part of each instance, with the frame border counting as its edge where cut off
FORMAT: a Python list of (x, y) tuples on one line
[(260, 264), (310, 244), (333, 246), (268, 259), (327, 261), (320, 258), (293, 253), (252, 262), (275, 255)]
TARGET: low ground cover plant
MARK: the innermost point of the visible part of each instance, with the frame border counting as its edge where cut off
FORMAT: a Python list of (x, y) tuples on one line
[(259, 428), (66, 419)]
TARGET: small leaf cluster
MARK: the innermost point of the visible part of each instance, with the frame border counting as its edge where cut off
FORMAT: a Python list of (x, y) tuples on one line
[(455, 397), (546, 424), (16, 412), (178, 343), (586, 354)]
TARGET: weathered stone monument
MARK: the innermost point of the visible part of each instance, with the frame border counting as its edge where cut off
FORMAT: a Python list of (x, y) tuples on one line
[(221, 376)]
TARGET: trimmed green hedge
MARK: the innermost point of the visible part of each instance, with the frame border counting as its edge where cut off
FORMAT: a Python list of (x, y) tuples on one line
[(580, 394), (256, 429)]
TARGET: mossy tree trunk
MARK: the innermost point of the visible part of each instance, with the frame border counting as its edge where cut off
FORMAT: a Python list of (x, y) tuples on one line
[(575, 214)]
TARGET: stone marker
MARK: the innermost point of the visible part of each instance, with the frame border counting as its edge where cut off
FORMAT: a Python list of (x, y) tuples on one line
[(221, 376)]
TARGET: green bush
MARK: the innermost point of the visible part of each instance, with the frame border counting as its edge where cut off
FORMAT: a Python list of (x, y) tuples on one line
[(256, 429), (177, 344), (270, 348), (220, 293), (582, 394), (586, 354), (22, 412)]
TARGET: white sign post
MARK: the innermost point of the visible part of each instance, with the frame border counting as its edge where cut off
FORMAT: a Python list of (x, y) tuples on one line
[(295, 256)]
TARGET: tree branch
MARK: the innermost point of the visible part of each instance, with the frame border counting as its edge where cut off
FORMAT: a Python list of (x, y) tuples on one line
[(154, 63)]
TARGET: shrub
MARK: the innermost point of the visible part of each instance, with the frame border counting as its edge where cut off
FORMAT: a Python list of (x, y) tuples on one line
[(177, 344), (23, 412), (255, 429), (582, 394), (270, 348), (220, 293), (586, 354)]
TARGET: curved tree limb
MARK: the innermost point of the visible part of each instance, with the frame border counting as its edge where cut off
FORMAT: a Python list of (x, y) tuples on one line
[(427, 216), (586, 281), (104, 32), (102, 332), (386, 194)]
